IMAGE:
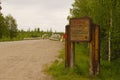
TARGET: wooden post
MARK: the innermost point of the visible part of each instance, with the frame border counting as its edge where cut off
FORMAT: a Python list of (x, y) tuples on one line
[(92, 48), (95, 51), (72, 54), (67, 47)]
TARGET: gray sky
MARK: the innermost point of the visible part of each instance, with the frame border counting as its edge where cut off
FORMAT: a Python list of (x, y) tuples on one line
[(44, 14)]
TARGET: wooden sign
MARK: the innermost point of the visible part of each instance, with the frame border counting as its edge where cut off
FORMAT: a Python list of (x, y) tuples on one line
[(83, 30), (80, 29)]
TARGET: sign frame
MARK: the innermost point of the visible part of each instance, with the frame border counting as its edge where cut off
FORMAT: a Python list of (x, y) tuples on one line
[(83, 19), (93, 40)]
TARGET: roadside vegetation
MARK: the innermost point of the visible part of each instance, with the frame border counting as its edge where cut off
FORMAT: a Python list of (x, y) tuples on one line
[(108, 71), (106, 13), (10, 32)]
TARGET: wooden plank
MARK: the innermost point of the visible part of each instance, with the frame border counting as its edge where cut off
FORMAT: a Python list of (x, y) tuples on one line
[(97, 49), (69, 50), (72, 54), (80, 29), (92, 49), (67, 47)]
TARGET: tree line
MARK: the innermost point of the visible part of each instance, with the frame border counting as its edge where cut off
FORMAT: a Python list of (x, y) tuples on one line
[(9, 30), (8, 27), (106, 13)]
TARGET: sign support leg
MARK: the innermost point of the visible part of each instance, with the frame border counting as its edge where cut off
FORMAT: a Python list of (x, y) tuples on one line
[(97, 49), (67, 47), (94, 51), (72, 55)]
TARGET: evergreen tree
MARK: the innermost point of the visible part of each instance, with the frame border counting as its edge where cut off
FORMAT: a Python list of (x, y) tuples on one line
[(106, 13), (12, 26), (3, 27)]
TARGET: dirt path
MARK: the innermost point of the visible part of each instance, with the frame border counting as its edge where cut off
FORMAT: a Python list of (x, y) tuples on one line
[(25, 60)]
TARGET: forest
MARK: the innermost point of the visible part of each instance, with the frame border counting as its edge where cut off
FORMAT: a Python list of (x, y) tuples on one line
[(9, 30), (105, 13), (8, 27)]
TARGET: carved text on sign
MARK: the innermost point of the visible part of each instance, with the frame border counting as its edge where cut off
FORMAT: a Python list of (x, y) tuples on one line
[(80, 29)]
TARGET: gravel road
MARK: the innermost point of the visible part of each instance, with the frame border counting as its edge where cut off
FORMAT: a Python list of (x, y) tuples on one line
[(25, 60)]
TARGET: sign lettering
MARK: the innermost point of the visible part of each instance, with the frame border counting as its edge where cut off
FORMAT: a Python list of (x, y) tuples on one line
[(80, 29)]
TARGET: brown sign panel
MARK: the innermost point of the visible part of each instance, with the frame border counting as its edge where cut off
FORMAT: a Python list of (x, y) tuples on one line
[(80, 29)]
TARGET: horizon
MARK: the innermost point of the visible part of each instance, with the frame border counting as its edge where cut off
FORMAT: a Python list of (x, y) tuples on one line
[(43, 14)]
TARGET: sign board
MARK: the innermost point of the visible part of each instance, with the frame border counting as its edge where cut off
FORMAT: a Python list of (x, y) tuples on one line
[(80, 29)]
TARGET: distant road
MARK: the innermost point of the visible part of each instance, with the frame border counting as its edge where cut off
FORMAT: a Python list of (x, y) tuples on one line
[(25, 60)]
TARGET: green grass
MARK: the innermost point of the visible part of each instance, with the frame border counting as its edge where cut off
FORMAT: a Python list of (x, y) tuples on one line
[(8, 39), (108, 71)]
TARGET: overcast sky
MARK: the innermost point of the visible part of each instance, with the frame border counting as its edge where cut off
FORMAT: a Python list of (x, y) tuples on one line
[(44, 14)]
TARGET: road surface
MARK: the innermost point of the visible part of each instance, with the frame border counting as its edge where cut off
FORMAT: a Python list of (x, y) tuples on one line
[(25, 60)]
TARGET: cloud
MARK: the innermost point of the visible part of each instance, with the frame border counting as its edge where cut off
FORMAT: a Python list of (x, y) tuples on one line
[(38, 13)]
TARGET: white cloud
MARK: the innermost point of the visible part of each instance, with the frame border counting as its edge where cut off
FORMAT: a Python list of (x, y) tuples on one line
[(45, 14)]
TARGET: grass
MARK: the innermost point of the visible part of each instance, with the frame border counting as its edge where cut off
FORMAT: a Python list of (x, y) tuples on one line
[(108, 71), (8, 39)]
